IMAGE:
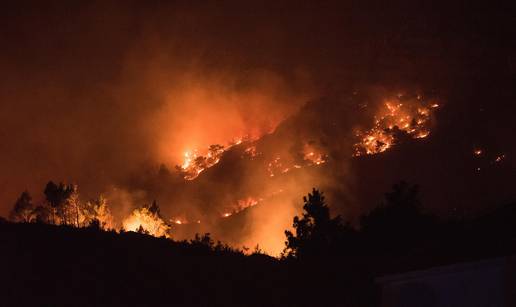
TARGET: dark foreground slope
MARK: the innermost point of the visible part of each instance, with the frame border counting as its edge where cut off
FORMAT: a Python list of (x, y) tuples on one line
[(47, 265)]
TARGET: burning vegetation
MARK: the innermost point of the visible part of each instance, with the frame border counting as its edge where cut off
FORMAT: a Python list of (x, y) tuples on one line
[(147, 219), (400, 115), (62, 206), (195, 163), (271, 158)]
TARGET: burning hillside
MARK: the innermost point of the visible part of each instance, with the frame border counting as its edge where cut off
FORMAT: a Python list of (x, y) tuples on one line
[(246, 191), (410, 115), (247, 173)]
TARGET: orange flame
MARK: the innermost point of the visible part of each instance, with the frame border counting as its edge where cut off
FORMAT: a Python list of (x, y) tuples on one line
[(410, 116)]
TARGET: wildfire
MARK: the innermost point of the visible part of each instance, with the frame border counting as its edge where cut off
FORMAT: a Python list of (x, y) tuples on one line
[(251, 151), (274, 165), (179, 221), (312, 156), (409, 116), (195, 163), (247, 202), (147, 220)]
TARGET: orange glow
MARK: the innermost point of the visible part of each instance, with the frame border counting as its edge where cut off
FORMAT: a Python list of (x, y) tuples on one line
[(149, 221), (251, 151), (193, 163), (274, 165), (312, 156), (246, 203)]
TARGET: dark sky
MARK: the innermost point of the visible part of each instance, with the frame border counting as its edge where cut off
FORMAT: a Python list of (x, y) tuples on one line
[(91, 91)]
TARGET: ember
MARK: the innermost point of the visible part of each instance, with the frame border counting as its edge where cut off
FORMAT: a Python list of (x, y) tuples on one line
[(405, 115)]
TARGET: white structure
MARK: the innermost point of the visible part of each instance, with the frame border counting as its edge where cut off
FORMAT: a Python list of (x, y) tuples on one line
[(487, 283)]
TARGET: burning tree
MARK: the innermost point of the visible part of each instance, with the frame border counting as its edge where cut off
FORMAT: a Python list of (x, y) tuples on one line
[(63, 206), (63, 201), (97, 211), (194, 164), (147, 219)]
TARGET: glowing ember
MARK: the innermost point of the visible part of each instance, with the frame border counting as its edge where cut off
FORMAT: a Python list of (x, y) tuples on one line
[(251, 151), (409, 116), (227, 214), (274, 165), (477, 152), (500, 158), (312, 156)]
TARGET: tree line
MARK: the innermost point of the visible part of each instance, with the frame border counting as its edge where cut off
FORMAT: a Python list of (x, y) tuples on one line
[(62, 206), (398, 224)]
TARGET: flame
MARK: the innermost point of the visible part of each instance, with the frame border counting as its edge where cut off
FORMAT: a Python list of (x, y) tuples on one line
[(411, 116), (251, 151), (312, 156), (247, 202), (151, 222), (195, 163), (241, 205), (179, 222), (275, 164)]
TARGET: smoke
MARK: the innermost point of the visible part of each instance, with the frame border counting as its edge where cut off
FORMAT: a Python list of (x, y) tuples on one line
[(95, 109), (110, 96)]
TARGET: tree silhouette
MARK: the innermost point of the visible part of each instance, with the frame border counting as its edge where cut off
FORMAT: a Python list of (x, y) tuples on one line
[(316, 232), (204, 242), (42, 214), (154, 208), (60, 198), (94, 224), (399, 220), (142, 230), (23, 209)]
